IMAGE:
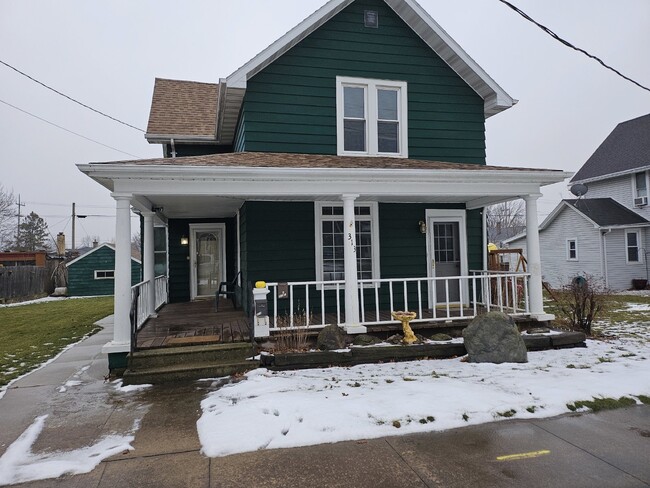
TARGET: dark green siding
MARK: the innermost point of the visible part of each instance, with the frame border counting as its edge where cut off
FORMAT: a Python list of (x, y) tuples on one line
[(179, 263), (290, 106), (81, 274), (277, 244)]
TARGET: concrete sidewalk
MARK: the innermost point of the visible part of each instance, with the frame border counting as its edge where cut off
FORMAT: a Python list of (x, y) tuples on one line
[(608, 449)]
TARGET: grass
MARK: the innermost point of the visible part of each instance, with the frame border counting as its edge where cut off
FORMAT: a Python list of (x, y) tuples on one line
[(598, 404), (32, 334)]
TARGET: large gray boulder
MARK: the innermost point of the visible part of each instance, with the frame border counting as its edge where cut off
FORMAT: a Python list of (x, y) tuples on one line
[(331, 338), (494, 338)]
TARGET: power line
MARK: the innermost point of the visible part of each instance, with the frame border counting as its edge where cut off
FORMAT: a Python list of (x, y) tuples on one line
[(67, 130), (69, 97), (568, 44)]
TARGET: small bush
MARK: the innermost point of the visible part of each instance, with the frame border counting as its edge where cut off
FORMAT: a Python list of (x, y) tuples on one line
[(582, 301), (292, 339)]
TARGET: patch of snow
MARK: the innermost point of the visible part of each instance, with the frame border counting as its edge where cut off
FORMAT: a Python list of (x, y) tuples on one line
[(297, 408), (130, 388), (44, 300), (19, 464)]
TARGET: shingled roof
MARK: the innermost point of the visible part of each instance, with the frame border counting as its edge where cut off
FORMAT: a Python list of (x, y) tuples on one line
[(291, 160), (606, 212), (626, 149), (187, 109)]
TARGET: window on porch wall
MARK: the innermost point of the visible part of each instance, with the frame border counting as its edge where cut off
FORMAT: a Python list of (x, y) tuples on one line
[(331, 241)]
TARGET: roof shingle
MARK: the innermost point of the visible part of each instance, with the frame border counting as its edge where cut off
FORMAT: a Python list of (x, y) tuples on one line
[(606, 212), (183, 108)]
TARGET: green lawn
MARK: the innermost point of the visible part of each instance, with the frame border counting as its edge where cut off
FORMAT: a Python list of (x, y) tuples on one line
[(32, 334)]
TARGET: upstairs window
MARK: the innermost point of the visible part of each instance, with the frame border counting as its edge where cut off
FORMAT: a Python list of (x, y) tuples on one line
[(572, 249), (640, 185), (371, 117)]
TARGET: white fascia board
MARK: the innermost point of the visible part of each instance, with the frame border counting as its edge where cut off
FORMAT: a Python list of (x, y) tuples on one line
[(597, 226), (611, 175), (512, 239), (178, 138), (239, 78), (234, 181)]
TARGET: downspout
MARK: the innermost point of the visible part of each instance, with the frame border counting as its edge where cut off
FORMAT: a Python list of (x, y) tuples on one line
[(603, 234)]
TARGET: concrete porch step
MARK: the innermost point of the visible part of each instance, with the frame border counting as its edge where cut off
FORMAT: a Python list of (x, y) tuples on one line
[(186, 372), (208, 353)]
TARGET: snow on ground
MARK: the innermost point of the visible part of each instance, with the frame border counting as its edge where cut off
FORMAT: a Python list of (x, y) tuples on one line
[(19, 464), (44, 300), (297, 408)]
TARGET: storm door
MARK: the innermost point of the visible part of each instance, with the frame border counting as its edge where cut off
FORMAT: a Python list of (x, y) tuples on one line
[(207, 259)]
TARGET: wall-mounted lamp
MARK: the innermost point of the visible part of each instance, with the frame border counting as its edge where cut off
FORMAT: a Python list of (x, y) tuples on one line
[(423, 226), (185, 240)]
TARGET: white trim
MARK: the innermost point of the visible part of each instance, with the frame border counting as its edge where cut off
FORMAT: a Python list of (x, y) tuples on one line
[(638, 247), (612, 175), (448, 215), (194, 228), (569, 240), (373, 218), (104, 271), (371, 112)]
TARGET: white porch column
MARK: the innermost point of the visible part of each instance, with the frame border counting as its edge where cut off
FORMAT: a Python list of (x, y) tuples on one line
[(149, 273), (121, 323), (534, 260), (350, 257)]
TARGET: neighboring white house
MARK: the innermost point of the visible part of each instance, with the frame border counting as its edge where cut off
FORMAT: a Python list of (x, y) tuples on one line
[(605, 232)]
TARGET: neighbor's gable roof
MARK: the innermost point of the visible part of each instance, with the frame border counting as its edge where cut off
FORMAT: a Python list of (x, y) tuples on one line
[(214, 109), (625, 150), (185, 110), (95, 249), (600, 212)]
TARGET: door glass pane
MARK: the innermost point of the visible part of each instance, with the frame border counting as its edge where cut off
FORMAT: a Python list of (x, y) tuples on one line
[(446, 252), (208, 265)]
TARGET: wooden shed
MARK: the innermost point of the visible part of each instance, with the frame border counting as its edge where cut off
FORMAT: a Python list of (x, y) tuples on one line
[(93, 273)]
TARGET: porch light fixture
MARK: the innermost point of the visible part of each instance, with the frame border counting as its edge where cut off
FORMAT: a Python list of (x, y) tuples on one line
[(185, 240), (423, 226)]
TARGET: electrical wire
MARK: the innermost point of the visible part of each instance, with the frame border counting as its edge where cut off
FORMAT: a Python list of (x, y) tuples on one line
[(69, 97), (68, 130), (568, 44)]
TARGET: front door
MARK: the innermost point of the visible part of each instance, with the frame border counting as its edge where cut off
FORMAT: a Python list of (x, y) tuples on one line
[(207, 258), (447, 255)]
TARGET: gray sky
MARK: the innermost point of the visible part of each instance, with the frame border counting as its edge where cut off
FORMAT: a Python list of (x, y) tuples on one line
[(107, 54)]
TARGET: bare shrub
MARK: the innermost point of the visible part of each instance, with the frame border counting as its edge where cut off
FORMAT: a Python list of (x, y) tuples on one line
[(581, 301), (292, 339)]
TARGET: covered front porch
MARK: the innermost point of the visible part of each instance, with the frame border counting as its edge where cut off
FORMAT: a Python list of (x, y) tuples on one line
[(339, 240)]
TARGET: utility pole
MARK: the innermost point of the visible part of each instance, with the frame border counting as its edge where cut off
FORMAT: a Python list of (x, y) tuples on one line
[(74, 222), (19, 205)]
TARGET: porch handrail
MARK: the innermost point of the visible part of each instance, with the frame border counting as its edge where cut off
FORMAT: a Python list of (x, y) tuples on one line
[(140, 303), (480, 291), (161, 290)]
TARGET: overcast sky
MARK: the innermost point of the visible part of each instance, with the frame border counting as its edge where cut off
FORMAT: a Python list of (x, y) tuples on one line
[(107, 55)]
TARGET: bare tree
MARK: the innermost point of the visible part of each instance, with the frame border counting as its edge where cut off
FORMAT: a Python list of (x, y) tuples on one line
[(7, 218), (505, 220), (89, 241)]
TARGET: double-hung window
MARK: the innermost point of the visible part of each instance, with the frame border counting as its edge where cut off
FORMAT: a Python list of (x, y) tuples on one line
[(104, 274), (330, 240), (632, 254), (572, 249), (371, 117), (640, 189)]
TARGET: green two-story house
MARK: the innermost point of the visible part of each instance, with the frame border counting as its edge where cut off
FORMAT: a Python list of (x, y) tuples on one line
[(344, 166)]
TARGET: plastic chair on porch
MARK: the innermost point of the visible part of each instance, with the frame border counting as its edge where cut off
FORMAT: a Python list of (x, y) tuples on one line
[(226, 288)]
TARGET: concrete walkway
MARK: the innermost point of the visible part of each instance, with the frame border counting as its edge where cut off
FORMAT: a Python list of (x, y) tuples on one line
[(602, 450)]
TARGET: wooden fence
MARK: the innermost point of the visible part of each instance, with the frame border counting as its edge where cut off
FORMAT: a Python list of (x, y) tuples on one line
[(23, 282)]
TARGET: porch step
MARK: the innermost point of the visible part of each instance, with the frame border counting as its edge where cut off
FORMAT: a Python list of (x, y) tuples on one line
[(186, 372), (188, 363), (190, 354)]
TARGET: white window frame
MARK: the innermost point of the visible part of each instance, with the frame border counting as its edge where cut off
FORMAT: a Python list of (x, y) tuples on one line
[(635, 191), (568, 249), (638, 247), (373, 218), (371, 110), (104, 271)]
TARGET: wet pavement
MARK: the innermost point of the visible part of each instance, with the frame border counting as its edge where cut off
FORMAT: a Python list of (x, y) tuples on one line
[(610, 449)]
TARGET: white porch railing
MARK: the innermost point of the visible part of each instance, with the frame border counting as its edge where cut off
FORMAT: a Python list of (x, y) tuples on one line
[(434, 299), (140, 299)]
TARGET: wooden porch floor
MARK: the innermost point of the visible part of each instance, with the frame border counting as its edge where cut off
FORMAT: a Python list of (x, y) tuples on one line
[(194, 323)]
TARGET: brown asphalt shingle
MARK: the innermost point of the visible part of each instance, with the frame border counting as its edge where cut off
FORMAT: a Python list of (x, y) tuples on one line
[(183, 108), (290, 160)]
